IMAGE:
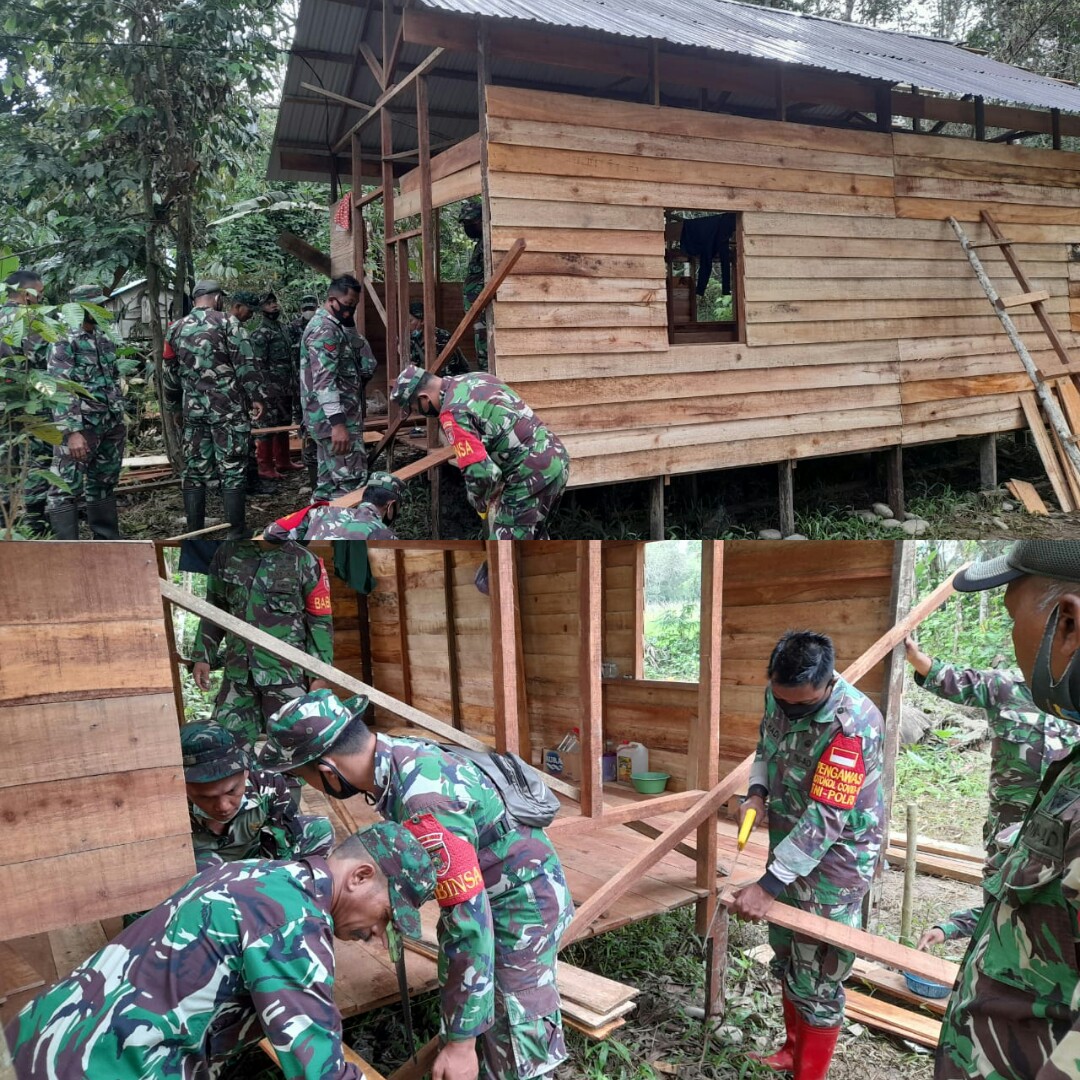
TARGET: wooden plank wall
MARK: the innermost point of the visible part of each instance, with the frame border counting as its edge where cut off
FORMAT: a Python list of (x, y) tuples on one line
[(841, 588), (91, 786), (865, 326)]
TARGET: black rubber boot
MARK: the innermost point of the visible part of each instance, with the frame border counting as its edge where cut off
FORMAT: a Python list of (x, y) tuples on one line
[(102, 518), (235, 500), (65, 522), (195, 508), (313, 476)]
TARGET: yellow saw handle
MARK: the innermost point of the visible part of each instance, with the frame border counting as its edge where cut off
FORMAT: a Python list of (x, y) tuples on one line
[(746, 827)]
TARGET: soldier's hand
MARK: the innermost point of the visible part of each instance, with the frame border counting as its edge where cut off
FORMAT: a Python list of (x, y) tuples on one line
[(934, 936), (753, 802), (318, 684), (752, 903), (77, 446), (201, 674), (339, 439), (456, 1061), (919, 660), (257, 410)]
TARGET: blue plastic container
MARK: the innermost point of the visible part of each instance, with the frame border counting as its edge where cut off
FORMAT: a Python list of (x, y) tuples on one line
[(925, 988)]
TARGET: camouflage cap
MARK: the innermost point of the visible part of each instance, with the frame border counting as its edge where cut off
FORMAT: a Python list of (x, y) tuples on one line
[(408, 869), (471, 210), (268, 296), (247, 298), (205, 287), (210, 753), (88, 294), (308, 303), (387, 482), (407, 386), (1059, 559), (304, 729)]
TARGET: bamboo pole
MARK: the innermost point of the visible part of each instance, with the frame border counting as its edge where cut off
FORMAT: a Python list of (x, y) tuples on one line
[(910, 855)]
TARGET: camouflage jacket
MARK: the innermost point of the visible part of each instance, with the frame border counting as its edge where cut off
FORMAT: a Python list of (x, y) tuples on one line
[(825, 802), (242, 950), (498, 441), (33, 346), (275, 353), (282, 590), (335, 362), (89, 360), (321, 521), (208, 367), (459, 817), (1014, 1014), (267, 826), (473, 285), (456, 364), (1025, 742)]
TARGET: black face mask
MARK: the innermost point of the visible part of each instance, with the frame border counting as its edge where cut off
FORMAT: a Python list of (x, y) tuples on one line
[(346, 791), (799, 710), (273, 316), (426, 409), (1061, 698)]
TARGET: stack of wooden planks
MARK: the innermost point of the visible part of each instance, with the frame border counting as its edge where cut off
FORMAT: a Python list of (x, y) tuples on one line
[(939, 859), (1063, 475)]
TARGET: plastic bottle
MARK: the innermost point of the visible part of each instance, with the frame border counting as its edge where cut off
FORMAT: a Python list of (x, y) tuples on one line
[(631, 759)]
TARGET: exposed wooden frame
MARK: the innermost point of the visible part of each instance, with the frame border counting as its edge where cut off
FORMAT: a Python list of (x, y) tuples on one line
[(451, 638), (170, 640), (402, 622), (504, 651), (639, 611), (590, 689)]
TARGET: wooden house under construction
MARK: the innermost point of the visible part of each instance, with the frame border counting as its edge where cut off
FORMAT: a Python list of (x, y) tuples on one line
[(91, 789), (812, 164)]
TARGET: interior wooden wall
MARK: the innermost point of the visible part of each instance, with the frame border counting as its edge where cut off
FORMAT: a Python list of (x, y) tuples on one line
[(842, 588), (865, 326), (91, 787)]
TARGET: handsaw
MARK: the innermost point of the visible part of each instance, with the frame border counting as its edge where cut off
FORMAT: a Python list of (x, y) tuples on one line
[(745, 829)]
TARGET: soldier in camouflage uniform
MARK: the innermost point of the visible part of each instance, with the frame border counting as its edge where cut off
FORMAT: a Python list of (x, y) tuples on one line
[(281, 589), (818, 773), (515, 468), (275, 353), (1025, 742), (335, 363), (1015, 1011), (238, 812), (456, 364), (242, 951), (25, 288), (471, 217), (89, 457), (370, 520), (209, 375), (503, 896)]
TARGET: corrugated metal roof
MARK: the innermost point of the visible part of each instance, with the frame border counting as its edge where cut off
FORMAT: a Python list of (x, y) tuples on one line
[(771, 34)]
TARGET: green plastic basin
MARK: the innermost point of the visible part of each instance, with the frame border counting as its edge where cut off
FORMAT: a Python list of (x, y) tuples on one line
[(650, 783)]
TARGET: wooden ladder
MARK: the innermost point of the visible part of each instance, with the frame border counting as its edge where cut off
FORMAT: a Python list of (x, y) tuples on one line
[(1057, 448)]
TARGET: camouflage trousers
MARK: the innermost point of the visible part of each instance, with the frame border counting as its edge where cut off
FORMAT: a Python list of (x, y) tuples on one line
[(338, 474), (36, 488), (811, 972), (97, 476), (244, 708), (480, 343), (216, 448), (526, 1039), (277, 412), (522, 515)]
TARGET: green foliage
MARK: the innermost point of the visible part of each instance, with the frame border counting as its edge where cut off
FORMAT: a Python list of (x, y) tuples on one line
[(926, 772), (672, 642)]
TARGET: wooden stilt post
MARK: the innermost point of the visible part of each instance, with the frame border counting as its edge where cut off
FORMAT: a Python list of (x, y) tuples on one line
[(786, 477), (988, 474), (703, 764), (170, 641), (894, 466), (590, 689), (656, 508), (504, 653)]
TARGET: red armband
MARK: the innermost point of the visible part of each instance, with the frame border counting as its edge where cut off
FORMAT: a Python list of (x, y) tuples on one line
[(167, 353), (840, 773), (457, 866), (318, 600), (468, 449)]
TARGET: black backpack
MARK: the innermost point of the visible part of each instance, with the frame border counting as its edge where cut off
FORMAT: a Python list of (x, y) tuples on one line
[(528, 800)]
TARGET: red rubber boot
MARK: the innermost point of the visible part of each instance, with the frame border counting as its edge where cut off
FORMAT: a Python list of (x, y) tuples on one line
[(282, 457), (264, 456), (784, 1058), (814, 1051)]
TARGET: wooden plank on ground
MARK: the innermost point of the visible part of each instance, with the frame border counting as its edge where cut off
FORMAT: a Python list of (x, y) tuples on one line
[(16, 974), (1028, 496), (905, 1024), (929, 846), (938, 866), (1047, 453), (895, 985), (72, 945)]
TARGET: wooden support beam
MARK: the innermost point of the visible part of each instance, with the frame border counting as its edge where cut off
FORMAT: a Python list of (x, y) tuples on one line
[(656, 508), (402, 625), (452, 668), (363, 629), (652, 832), (590, 689), (405, 474), (894, 481), (375, 301), (170, 641), (988, 474), (1055, 129), (300, 249), (359, 236), (786, 479), (504, 653), (980, 120), (291, 655), (373, 64), (389, 94), (640, 810), (639, 611)]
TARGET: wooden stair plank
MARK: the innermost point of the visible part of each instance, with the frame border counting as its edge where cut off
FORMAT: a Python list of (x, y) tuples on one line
[(1020, 299), (1026, 493), (1047, 453)]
